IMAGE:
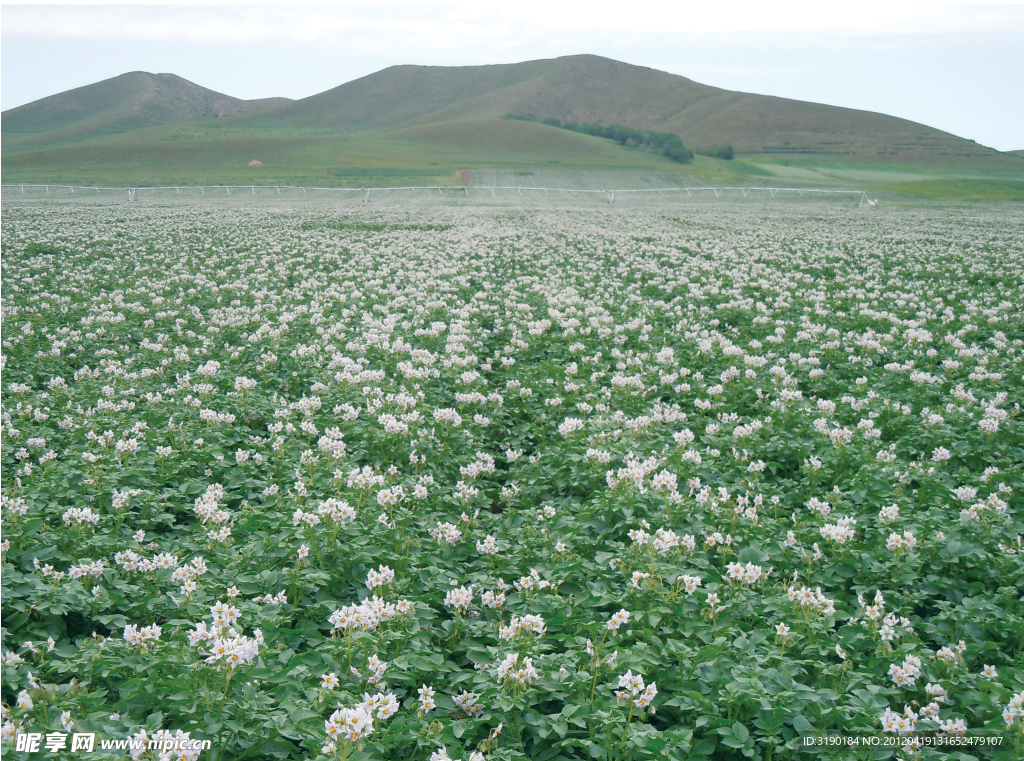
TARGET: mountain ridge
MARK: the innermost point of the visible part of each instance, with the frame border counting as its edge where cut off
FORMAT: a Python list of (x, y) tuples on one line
[(130, 101), (143, 128), (594, 89)]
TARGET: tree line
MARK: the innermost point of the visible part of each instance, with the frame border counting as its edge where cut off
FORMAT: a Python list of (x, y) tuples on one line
[(665, 143)]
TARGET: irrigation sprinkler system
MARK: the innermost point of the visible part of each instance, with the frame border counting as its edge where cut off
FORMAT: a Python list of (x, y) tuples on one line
[(368, 194)]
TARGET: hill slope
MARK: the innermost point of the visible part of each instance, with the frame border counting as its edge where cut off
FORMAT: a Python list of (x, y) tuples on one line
[(589, 88), (128, 102), (425, 121)]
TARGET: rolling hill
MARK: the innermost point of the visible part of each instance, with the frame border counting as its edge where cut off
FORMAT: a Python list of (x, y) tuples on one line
[(424, 121), (128, 102), (593, 89)]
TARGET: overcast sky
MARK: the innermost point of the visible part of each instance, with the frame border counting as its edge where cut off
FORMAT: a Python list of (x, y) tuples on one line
[(955, 66)]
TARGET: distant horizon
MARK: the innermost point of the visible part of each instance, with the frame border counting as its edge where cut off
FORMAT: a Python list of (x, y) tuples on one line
[(949, 66)]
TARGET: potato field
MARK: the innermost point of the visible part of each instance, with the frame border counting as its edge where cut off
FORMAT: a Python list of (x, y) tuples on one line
[(706, 482)]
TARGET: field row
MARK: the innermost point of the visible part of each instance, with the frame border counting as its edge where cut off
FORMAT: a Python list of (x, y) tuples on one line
[(555, 484)]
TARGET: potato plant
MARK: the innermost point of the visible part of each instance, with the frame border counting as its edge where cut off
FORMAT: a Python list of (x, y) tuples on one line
[(457, 483)]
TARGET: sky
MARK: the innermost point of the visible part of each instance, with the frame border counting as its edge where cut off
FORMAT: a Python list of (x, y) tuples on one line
[(957, 66)]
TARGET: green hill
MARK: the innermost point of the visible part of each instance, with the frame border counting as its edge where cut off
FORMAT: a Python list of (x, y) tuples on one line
[(589, 88), (129, 102), (422, 122)]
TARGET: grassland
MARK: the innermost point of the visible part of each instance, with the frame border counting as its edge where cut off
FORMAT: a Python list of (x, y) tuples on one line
[(960, 190), (980, 179), (421, 155)]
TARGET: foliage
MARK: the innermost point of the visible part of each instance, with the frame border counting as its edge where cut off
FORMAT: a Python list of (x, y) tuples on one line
[(521, 117), (664, 143), (547, 485), (724, 152)]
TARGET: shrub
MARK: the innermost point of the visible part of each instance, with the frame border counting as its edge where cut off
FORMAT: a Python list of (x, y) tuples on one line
[(719, 152)]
